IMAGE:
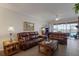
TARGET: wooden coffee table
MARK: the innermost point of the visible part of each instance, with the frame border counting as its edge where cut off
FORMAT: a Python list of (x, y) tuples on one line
[(48, 48)]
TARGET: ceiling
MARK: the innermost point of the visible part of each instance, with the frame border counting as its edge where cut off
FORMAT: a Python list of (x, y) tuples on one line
[(43, 11)]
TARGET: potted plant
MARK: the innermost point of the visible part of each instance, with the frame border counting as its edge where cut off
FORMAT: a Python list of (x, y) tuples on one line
[(76, 8)]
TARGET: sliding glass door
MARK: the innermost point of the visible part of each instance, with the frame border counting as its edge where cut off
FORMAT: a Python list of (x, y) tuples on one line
[(55, 28), (67, 28), (73, 29)]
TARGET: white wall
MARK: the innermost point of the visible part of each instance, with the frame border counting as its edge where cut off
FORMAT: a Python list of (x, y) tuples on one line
[(10, 18)]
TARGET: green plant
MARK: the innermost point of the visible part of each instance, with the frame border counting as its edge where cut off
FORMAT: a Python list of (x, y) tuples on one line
[(76, 8)]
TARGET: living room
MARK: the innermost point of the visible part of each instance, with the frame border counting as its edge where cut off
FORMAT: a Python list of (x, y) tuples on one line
[(46, 23)]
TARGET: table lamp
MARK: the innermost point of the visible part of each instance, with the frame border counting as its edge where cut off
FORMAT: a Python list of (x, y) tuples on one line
[(11, 30)]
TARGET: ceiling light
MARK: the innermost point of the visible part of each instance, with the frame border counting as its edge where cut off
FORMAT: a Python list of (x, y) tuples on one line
[(57, 18)]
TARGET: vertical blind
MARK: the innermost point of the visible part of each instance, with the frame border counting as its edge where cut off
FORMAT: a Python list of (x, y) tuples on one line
[(67, 28)]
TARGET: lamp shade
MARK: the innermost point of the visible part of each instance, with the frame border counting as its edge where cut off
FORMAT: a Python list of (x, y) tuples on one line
[(43, 29), (11, 29)]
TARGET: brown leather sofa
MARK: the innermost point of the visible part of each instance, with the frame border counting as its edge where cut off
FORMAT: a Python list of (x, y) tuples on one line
[(27, 39), (61, 37)]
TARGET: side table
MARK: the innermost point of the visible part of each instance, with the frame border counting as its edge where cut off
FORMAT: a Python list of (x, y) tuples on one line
[(10, 48)]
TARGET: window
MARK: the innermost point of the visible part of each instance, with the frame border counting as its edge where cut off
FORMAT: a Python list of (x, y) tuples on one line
[(60, 28), (67, 28), (55, 28)]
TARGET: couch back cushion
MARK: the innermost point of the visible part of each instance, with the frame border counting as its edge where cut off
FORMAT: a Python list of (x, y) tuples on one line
[(27, 35), (57, 35), (23, 36)]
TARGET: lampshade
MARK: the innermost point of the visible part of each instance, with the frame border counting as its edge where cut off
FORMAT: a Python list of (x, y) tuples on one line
[(11, 29), (43, 29)]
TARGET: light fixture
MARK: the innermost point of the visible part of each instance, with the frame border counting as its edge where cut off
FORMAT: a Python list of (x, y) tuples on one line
[(43, 28), (11, 30), (57, 18)]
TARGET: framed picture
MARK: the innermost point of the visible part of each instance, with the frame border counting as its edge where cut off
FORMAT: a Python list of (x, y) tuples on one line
[(28, 26)]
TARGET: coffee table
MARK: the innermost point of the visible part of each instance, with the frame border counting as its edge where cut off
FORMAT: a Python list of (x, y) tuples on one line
[(48, 48)]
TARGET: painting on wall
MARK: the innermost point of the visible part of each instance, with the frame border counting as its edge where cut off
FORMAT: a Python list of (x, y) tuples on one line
[(28, 26)]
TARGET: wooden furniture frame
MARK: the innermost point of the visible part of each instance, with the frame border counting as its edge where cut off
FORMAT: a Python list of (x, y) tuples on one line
[(48, 49), (10, 48)]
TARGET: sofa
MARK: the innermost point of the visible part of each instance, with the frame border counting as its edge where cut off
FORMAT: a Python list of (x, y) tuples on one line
[(61, 37), (27, 39)]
